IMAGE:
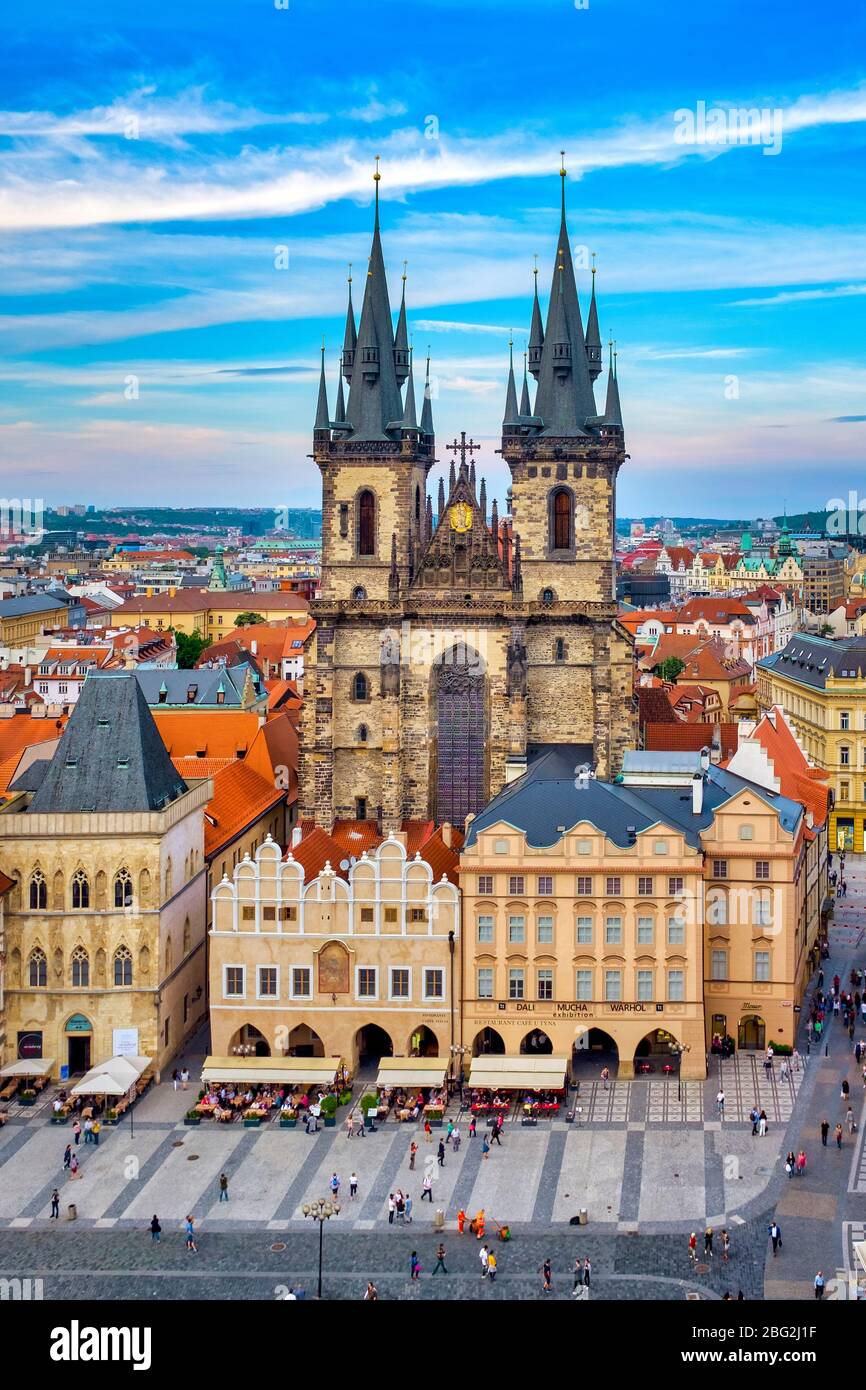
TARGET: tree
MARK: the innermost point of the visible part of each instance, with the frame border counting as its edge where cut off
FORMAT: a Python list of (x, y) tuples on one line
[(190, 646), (670, 669), (249, 619)]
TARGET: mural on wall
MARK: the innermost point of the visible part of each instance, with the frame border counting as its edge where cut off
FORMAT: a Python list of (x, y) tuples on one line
[(334, 969)]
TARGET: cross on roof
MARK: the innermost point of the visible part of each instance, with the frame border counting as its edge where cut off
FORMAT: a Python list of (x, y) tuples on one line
[(463, 448)]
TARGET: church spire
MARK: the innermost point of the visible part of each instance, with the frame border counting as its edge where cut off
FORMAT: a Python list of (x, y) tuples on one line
[(374, 408), (511, 411), (340, 411), (536, 332), (525, 408), (494, 520), (482, 500), (593, 337), (427, 407), (410, 420), (401, 338), (323, 419), (452, 478), (564, 400), (440, 501), (350, 337), (612, 409)]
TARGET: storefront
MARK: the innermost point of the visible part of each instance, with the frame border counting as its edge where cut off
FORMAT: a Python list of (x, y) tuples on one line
[(411, 1072), (275, 1071)]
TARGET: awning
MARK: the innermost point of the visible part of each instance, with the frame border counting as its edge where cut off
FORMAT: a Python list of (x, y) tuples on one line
[(412, 1071), (32, 1066), (259, 1071), (519, 1073), (112, 1078), (860, 1252)]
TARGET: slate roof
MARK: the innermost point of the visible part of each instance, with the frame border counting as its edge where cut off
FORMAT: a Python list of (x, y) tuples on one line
[(543, 800), (31, 603), (811, 660), (111, 757), (205, 680)]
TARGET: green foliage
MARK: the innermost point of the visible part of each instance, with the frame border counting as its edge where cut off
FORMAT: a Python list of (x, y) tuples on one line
[(346, 1096), (189, 648), (369, 1102), (249, 619), (670, 669), (329, 1105)]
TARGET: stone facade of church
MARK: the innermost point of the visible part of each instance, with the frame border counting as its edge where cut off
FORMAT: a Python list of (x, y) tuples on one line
[(445, 655)]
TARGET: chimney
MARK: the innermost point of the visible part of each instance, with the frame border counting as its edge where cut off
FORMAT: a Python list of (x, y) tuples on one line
[(446, 834), (254, 646), (705, 759), (697, 793), (297, 832)]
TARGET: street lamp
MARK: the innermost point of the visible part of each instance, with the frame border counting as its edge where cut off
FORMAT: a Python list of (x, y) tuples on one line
[(677, 1049), (321, 1210), (457, 1050)]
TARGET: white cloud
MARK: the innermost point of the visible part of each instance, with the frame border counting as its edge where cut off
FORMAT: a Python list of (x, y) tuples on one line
[(801, 296)]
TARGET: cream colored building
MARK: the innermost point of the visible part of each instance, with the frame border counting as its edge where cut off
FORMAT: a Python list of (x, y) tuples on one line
[(356, 963)]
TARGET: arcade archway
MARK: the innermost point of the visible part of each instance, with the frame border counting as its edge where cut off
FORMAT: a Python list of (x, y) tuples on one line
[(249, 1041), (304, 1041), (536, 1044), (657, 1053), (423, 1042), (488, 1043), (372, 1043), (592, 1051), (751, 1033)]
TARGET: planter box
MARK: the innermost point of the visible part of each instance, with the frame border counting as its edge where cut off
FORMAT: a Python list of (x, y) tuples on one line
[(188, 1121), (330, 1121), (252, 1124), (436, 1124), (26, 1100), (112, 1122), (58, 1119), (288, 1124), (529, 1120)]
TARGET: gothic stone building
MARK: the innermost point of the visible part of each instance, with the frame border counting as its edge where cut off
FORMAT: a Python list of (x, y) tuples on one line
[(445, 656)]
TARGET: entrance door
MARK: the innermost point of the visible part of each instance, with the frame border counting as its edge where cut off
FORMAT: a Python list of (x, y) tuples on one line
[(79, 1054), (752, 1034)]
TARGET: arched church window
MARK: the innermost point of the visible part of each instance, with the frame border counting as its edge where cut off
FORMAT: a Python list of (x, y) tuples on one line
[(366, 523), (362, 733), (123, 889), (38, 970), (547, 596), (80, 890), (123, 966), (360, 686), (560, 649), (417, 504), (38, 891), (359, 593), (561, 527), (80, 968)]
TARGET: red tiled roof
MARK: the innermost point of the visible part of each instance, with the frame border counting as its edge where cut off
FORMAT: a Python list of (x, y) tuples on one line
[(680, 555), (240, 797), (677, 737), (654, 706), (799, 779)]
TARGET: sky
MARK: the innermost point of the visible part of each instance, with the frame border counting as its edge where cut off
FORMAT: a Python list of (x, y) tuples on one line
[(182, 188)]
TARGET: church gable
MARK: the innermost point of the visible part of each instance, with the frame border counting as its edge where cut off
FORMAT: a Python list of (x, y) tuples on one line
[(462, 553)]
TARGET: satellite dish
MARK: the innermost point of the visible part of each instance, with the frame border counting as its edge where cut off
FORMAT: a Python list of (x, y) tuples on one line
[(353, 859), (344, 864)]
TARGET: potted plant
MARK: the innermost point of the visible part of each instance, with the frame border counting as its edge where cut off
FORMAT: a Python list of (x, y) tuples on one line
[(251, 1119), (369, 1104), (111, 1117), (434, 1115), (288, 1119), (329, 1111), (346, 1096), (27, 1097), (192, 1117)]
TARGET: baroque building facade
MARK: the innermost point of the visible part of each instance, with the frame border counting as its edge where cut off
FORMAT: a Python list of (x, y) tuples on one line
[(444, 654)]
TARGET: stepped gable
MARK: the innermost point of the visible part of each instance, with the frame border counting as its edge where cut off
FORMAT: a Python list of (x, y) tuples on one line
[(462, 553)]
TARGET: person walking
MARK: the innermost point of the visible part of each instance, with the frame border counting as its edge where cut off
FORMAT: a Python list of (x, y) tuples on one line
[(819, 1285), (587, 1272), (55, 1206), (825, 1130), (843, 1094), (155, 1229), (801, 1163), (97, 1130), (392, 1207), (708, 1243), (449, 1132), (850, 1121), (605, 1077), (577, 1276), (67, 1155), (790, 1161), (754, 1116), (775, 1237), (427, 1189), (838, 1136), (413, 1150), (190, 1235), (726, 1246), (224, 1188), (497, 1130), (407, 1210), (371, 1293), (485, 1147), (440, 1260), (73, 1166), (456, 1139), (472, 1127), (175, 1078), (482, 1255), (720, 1103), (414, 1267), (440, 1154), (491, 1266), (428, 1132), (762, 1123), (353, 1186), (693, 1247), (461, 1221), (184, 1078), (76, 1133), (335, 1186), (546, 1273)]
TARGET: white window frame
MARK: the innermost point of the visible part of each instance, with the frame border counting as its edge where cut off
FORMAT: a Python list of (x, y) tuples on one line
[(391, 969), (513, 972), (615, 924), (259, 969), (582, 998), (641, 926), (375, 970), (243, 970), (581, 923), (613, 998), (719, 956), (293, 994), (433, 998), (550, 924), (763, 979), (676, 931), (676, 998), (488, 969), (485, 919), (512, 918), (642, 983)]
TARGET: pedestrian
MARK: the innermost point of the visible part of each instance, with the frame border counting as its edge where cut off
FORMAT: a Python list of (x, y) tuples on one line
[(371, 1293), (546, 1276), (392, 1207), (577, 1272), (485, 1147), (455, 1139), (762, 1124), (789, 1164), (441, 1153), (587, 1271), (461, 1221), (605, 1077), (708, 1243), (838, 1136), (726, 1246), (450, 1132), (845, 1089), (155, 1229), (407, 1210), (67, 1155), (849, 1120), (55, 1205), (335, 1186), (428, 1132), (783, 1070), (353, 1186), (754, 1117), (73, 1166), (491, 1267), (97, 1129), (414, 1267), (497, 1130), (224, 1188), (400, 1202), (858, 1051), (175, 1079), (427, 1189), (819, 1284), (350, 1125), (693, 1247), (190, 1235), (482, 1255), (76, 1133), (825, 1130), (720, 1103), (413, 1149), (472, 1127), (88, 1131), (440, 1259), (775, 1236), (184, 1078)]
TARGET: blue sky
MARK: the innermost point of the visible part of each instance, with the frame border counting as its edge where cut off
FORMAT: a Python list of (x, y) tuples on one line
[(154, 159)]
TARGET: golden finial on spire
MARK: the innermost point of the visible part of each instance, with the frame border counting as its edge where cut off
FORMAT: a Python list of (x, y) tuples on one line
[(593, 265), (377, 175), (350, 273), (535, 265), (405, 263), (562, 169)]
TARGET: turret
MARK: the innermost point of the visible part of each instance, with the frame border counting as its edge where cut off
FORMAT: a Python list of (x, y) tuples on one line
[(612, 409), (536, 332), (510, 419), (401, 338), (593, 337), (322, 427), (350, 337), (427, 406)]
